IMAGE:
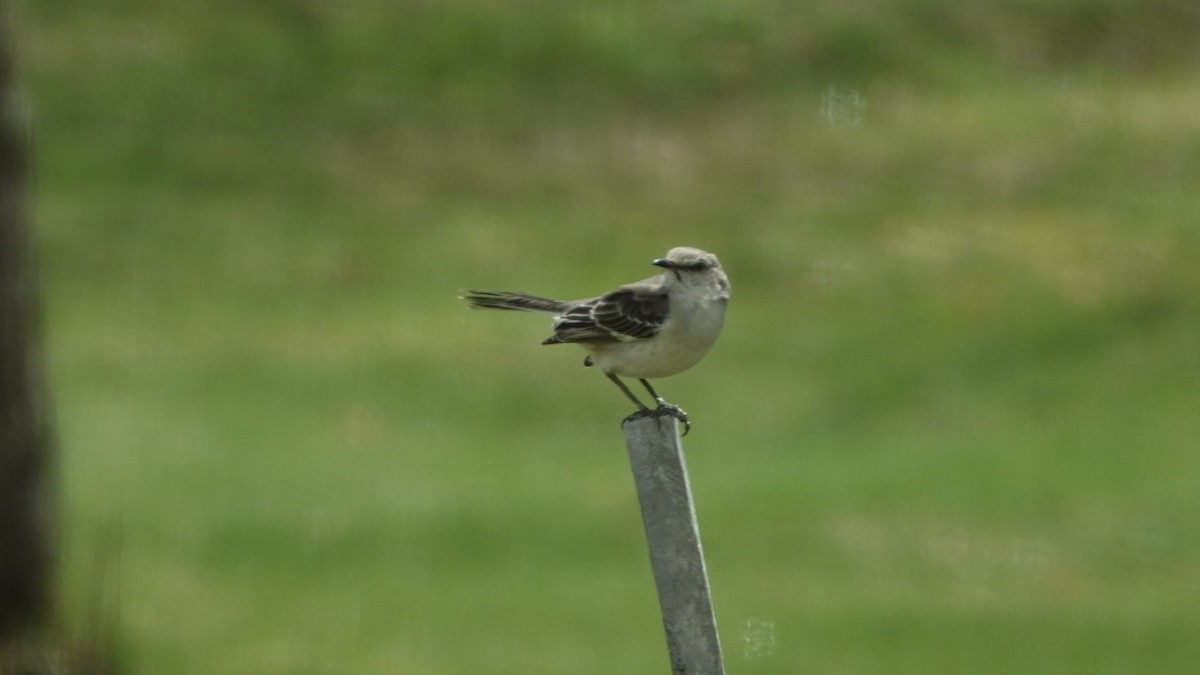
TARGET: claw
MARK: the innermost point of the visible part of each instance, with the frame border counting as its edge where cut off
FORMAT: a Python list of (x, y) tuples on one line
[(676, 412), (663, 409)]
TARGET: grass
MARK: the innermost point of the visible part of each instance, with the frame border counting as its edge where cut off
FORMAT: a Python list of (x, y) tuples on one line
[(950, 426)]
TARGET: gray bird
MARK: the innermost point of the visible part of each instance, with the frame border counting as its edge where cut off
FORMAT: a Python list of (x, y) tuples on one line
[(652, 328)]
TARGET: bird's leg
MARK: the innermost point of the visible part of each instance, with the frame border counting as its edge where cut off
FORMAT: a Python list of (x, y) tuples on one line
[(619, 383), (669, 408), (658, 399)]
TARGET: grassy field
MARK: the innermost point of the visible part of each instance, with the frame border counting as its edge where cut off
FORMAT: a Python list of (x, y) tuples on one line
[(952, 426)]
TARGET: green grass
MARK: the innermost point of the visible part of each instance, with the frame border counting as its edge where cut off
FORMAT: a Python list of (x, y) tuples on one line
[(950, 427)]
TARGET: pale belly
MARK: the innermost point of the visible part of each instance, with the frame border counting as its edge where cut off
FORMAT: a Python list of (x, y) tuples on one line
[(671, 352)]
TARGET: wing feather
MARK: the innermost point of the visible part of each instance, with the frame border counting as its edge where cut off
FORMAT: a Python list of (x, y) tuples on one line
[(634, 312)]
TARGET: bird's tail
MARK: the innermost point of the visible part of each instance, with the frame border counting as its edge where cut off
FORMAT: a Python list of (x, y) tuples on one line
[(511, 300)]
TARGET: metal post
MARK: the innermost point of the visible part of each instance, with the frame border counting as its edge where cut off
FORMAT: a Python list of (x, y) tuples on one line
[(673, 535)]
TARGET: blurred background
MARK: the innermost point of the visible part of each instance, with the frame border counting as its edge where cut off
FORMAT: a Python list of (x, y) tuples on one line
[(951, 426)]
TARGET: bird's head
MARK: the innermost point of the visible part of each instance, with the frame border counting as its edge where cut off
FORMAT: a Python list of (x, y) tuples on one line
[(693, 267)]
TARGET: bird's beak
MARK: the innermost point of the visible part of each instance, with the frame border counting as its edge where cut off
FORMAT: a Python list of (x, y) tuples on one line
[(663, 262)]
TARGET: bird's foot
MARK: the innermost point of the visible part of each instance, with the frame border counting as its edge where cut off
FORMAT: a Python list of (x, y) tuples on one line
[(639, 414), (663, 409), (675, 411)]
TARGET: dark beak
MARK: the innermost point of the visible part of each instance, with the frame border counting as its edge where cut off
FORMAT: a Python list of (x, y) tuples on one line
[(663, 262)]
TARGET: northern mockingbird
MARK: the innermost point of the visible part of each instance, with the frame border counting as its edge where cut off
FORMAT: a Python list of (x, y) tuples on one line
[(649, 329)]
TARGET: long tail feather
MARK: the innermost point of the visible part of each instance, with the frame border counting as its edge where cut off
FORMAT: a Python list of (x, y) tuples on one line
[(512, 300)]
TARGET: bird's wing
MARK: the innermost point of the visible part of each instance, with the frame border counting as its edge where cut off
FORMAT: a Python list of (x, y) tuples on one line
[(633, 312)]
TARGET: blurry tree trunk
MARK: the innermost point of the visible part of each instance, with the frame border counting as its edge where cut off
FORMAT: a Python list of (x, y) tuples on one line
[(26, 522)]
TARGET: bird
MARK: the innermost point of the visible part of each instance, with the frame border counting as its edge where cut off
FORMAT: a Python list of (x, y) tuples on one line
[(645, 330)]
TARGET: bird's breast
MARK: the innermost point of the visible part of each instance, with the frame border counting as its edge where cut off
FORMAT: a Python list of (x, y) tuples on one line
[(687, 335)]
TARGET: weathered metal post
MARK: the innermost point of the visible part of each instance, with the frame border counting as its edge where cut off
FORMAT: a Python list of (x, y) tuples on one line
[(673, 535)]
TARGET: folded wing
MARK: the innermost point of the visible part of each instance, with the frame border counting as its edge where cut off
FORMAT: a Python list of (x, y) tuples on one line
[(629, 313)]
